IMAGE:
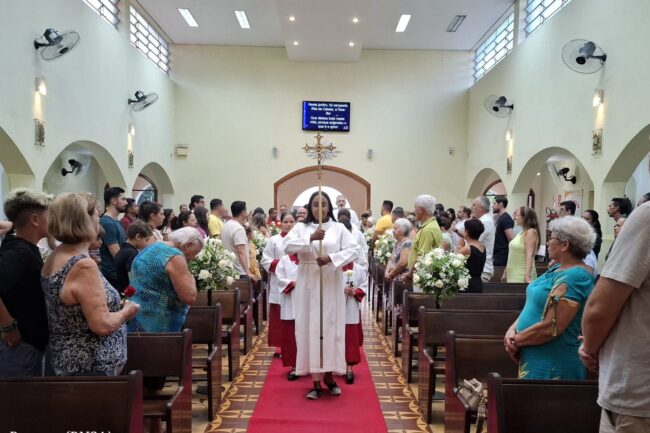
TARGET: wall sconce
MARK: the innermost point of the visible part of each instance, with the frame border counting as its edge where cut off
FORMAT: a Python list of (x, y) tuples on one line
[(132, 129), (275, 152), (371, 153), (509, 164), (508, 134), (182, 150), (131, 156), (599, 96), (451, 150), (597, 142), (40, 86)]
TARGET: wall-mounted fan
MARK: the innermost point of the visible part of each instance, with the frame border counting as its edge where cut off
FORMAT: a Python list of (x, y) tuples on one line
[(54, 44), (583, 56), (553, 172), (142, 101), (77, 167), (498, 106)]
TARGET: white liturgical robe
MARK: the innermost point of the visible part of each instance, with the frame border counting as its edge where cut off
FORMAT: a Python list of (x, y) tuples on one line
[(359, 280), (340, 246), (286, 273), (274, 250)]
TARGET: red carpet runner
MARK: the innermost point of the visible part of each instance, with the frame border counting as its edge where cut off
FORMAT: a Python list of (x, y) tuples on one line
[(283, 408)]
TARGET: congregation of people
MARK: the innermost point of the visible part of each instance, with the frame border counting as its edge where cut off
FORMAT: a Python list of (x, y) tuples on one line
[(66, 310)]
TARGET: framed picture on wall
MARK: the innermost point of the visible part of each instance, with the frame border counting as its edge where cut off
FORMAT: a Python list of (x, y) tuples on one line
[(576, 197)]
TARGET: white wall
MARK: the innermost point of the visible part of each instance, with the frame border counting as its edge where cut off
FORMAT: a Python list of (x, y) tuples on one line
[(553, 104), (87, 91), (234, 104), (639, 184)]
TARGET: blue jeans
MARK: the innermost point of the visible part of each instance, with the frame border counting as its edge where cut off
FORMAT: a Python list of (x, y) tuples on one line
[(23, 360)]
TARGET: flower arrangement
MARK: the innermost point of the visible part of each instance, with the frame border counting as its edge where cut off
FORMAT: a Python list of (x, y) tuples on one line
[(368, 235), (214, 267), (441, 273), (259, 240), (384, 247), (275, 229)]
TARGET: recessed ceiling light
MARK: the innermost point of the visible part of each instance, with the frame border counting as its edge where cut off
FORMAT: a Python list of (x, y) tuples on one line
[(296, 43), (351, 44), (355, 20), (243, 19), (292, 18), (539, 174), (455, 23), (189, 19), (402, 23)]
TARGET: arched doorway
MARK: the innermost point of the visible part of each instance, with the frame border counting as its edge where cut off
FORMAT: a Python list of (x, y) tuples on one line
[(14, 168), (356, 189), (486, 182), (303, 197), (95, 168), (153, 184)]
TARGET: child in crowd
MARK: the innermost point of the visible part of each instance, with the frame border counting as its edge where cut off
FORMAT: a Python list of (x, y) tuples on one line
[(139, 235)]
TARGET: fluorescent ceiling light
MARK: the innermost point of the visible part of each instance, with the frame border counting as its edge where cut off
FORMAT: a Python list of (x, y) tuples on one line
[(402, 23), (455, 23), (189, 19), (243, 19)]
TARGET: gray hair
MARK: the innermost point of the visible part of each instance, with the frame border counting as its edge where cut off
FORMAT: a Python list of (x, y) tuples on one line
[(185, 236), (426, 202), (404, 225), (578, 232), (484, 202)]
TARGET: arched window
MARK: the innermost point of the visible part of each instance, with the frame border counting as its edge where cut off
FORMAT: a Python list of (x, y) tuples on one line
[(144, 189)]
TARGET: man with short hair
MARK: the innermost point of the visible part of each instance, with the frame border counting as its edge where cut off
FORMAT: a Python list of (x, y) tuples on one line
[(341, 201), (396, 214), (619, 208), (385, 222), (24, 330), (616, 325), (130, 213), (114, 234), (273, 216), (283, 208), (429, 236), (567, 208), (480, 210), (462, 213), (182, 208), (196, 201), (301, 214), (503, 233), (215, 221), (233, 236)]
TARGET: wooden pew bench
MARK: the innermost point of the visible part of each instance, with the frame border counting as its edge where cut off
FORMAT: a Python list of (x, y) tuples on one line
[(433, 327), (245, 310), (61, 404)]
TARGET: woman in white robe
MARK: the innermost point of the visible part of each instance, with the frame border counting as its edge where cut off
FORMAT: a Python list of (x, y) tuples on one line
[(273, 252), (339, 248)]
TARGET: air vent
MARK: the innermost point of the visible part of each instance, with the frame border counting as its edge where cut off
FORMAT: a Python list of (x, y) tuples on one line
[(455, 23)]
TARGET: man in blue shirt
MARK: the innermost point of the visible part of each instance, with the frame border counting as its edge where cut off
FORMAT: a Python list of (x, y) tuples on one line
[(114, 235)]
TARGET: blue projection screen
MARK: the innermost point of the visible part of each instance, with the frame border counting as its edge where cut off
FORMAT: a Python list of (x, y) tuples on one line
[(325, 116)]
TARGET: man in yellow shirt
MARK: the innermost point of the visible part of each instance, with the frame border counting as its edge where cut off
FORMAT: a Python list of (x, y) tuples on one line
[(385, 222), (215, 223), (429, 236)]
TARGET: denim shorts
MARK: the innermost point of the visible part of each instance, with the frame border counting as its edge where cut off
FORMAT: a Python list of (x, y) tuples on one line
[(23, 360)]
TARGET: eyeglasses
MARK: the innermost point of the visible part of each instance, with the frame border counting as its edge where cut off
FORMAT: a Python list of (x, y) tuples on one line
[(555, 239)]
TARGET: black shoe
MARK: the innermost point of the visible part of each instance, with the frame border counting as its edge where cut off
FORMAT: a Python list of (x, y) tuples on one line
[(292, 376), (333, 388), (314, 394), (349, 378)]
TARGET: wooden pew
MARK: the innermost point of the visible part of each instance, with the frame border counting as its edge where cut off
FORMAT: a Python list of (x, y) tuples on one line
[(230, 319), (410, 306), (471, 357), (246, 310), (485, 301), (61, 404), (433, 327), (378, 282), (394, 307), (165, 354), (542, 406), (205, 323), (498, 273), (258, 317), (504, 288)]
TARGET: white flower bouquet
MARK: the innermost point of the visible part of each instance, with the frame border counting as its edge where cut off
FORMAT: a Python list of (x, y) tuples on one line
[(384, 247), (259, 240), (274, 228), (441, 273), (367, 234), (214, 267)]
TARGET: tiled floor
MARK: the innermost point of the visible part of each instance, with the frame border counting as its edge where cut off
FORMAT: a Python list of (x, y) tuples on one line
[(396, 397)]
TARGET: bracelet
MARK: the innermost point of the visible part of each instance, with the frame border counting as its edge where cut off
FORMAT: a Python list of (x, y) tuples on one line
[(10, 327)]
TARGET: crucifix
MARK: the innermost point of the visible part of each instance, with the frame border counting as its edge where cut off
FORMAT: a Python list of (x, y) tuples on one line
[(321, 153)]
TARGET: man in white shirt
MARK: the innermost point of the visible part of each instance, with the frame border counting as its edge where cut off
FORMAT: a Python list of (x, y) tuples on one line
[(233, 236), (341, 201), (481, 210)]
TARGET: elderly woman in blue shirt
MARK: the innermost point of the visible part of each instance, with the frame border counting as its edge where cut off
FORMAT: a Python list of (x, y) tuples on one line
[(164, 285), (544, 339)]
